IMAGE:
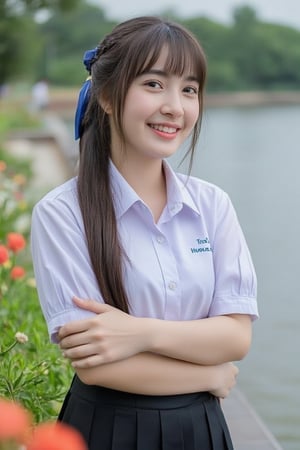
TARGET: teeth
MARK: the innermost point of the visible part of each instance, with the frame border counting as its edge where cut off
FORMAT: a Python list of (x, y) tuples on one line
[(163, 128)]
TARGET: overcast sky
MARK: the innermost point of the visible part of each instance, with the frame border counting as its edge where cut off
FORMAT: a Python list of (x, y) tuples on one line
[(277, 11)]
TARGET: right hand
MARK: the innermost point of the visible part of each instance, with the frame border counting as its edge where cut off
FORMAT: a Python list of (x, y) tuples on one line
[(226, 375), (109, 336)]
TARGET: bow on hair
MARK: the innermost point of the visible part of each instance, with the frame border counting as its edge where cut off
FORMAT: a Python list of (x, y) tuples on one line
[(89, 58)]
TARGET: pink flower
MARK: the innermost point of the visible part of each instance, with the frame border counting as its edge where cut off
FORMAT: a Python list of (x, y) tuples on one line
[(15, 423), (2, 166), (17, 272), (15, 242), (56, 436), (4, 256)]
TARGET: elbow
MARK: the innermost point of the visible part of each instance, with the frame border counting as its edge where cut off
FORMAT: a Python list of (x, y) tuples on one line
[(242, 349), (243, 345), (243, 337)]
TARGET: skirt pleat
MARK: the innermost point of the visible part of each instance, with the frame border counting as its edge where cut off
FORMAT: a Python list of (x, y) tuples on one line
[(171, 430), (219, 433), (114, 420), (148, 435), (124, 429)]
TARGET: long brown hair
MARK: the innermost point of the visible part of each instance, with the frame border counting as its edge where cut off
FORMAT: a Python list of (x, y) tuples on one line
[(131, 48)]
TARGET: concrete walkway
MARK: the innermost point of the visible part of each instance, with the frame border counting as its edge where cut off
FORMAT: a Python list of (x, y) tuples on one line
[(247, 430)]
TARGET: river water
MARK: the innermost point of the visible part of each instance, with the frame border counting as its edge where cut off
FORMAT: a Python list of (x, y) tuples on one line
[(254, 155)]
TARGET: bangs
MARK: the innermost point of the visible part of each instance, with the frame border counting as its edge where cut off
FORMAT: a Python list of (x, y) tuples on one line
[(184, 55)]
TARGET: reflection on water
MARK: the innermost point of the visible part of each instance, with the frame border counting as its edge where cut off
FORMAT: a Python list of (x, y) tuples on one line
[(254, 155)]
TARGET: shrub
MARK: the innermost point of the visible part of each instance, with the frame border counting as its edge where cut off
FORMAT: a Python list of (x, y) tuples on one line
[(32, 371)]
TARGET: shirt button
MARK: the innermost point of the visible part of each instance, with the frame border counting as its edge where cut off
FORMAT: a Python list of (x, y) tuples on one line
[(160, 239), (172, 285)]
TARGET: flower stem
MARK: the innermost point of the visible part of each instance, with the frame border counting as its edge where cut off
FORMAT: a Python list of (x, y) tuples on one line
[(8, 349)]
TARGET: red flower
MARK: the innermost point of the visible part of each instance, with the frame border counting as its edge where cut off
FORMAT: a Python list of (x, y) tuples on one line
[(2, 166), (15, 242), (15, 422), (56, 436), (17, 272), (4, 256)]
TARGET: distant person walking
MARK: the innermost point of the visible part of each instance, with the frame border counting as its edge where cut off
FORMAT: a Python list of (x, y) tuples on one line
[(40, 95)]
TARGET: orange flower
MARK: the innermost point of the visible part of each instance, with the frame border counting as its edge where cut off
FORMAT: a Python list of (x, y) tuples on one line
[(17, 272), (56, 436), (4, 256), (19, 179), (15, 421), (15, 242), (2, 166)]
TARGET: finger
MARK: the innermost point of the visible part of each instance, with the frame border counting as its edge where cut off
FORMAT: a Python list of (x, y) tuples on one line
[(77, 326), (91, 305), (80, 352), (88, 362), (74, 340)]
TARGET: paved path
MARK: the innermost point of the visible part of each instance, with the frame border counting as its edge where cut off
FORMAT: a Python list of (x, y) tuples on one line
[(246, 427)]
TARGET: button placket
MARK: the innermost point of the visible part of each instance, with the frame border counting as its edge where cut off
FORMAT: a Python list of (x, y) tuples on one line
[(172, 285), (168, 265)]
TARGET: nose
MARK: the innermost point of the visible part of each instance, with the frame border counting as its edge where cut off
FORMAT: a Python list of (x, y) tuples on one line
[(172, 104)]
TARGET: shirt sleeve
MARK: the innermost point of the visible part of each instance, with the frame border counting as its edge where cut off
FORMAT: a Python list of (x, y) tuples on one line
[(235, 278), (61, 262)]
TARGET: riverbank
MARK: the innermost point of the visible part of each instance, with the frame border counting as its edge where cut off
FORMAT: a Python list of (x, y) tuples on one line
[(249, 99), (64, 100)]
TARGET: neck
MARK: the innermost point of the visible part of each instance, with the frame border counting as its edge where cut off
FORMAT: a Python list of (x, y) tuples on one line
[(148, 181)]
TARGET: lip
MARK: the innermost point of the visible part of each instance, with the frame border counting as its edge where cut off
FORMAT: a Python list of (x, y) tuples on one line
[(166, 131), (160, 126)]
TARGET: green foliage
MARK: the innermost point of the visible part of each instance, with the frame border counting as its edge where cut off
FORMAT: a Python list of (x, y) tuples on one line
[(250, 54), (21, 42), (14, 119), (67, 36), (17, 35), (32, 371), (245, 55), (23, 6)]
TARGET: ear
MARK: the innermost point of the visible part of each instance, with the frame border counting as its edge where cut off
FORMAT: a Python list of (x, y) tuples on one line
[(105, 105)]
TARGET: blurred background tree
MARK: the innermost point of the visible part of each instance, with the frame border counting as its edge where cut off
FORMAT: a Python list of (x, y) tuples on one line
[(66, 37), (47, 39), (20, 43)]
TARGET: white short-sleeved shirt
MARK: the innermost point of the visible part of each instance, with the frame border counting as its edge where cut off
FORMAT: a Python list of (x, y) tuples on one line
[(193, 263)]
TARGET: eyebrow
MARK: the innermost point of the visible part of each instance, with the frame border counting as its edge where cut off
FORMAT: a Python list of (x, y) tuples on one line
[(165, 74)]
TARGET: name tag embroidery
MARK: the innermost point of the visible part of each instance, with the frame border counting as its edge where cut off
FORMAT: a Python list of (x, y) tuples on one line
[(203, 245)]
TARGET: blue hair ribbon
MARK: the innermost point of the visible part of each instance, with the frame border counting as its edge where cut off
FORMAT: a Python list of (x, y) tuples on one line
[(89, 58), (82, 102)]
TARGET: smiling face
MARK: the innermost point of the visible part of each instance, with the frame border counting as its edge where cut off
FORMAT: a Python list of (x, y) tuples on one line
[(161, 109)]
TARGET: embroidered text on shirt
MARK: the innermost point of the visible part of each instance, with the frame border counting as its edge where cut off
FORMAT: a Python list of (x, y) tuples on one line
[(204, 247)]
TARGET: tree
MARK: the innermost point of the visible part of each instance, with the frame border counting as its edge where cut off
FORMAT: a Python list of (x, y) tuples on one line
[(66, 39), (19, 43), (17, 7)]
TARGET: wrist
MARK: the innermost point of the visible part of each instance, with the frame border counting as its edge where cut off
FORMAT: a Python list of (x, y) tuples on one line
[(144, 330)]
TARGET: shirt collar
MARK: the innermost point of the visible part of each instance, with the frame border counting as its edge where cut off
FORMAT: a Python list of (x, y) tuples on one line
[(178, 192), (177, 187), (123, 194)]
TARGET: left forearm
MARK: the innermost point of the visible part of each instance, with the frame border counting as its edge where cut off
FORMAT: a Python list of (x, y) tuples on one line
[(208, 341), (112, 335)]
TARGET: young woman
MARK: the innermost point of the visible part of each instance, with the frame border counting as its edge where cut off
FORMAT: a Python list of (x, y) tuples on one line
[(143, 274)]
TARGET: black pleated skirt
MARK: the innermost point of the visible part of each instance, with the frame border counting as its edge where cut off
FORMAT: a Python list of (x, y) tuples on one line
[(115, 420)]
